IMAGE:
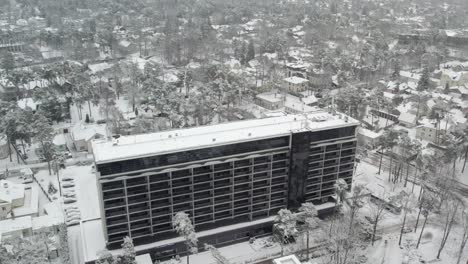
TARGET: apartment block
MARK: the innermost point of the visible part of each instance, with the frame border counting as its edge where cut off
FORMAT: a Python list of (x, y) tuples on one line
[(221, 175)]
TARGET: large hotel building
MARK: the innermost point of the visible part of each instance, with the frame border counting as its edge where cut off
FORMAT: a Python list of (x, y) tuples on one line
[(231, 178)]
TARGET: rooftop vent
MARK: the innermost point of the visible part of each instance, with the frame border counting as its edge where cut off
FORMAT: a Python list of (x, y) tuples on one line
[(214, 139), (170, 136), (250, 134)]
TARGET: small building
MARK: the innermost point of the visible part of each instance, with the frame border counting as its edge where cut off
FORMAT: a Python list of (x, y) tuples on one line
[(296, 105), (297, 69), (83, 135), (11, 196), (460, 91), (270, 100), (368, 138), (295, 84), (407, 119), (452, 78), (429, 131)]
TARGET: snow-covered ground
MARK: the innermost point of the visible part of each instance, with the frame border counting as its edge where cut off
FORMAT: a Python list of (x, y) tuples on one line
[(96, 112)]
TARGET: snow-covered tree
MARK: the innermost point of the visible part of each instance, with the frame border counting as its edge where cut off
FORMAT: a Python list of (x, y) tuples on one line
[(406, 200), (44, 133), (449, 214), (128, 255), (340, 189), (183, 226), (284, 227), (310, 219), (104, 257)]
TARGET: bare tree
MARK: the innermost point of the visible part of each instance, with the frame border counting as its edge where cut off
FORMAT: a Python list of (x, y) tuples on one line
[(309, 216), (450, 213), (464, 238), (407, 204), (377, 212)]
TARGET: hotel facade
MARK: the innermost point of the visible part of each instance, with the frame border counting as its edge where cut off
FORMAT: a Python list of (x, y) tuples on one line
[(230, 178)]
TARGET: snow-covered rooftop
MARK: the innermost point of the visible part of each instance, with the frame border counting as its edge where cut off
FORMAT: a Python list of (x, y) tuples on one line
[(10, 191), (87, 132), (221, 134), (13, 225), (368, 133), (295, 80), (272, 97), (407, 117)]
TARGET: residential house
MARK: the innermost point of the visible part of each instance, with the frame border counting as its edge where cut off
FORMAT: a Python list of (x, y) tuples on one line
[(319, 78), (295, 84), (460, 91), (452, 78), (430, 131)]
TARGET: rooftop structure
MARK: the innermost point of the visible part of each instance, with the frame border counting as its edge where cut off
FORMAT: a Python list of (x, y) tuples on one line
[(208, 136)]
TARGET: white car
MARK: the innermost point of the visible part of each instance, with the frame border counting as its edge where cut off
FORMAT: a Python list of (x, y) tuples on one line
[(69, 194), (68, 184), (73, 216)]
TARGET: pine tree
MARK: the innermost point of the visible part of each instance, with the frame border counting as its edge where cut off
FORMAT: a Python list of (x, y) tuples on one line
[(44, 133), (423, 83), (250, 51), (8, 61), (396, 70)]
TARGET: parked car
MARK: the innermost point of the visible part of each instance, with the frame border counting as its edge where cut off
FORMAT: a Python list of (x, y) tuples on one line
[(68, 184), (69, 195), (66, 178), (72, 222), (67, 200)]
